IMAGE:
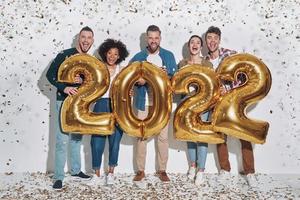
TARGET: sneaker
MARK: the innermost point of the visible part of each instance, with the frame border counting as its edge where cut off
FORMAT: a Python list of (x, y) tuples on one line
[(81, 175), (163, 176), (110, 179), (199, 178), (251, 180), (191, 173), (224, 177), (95, 181), (57, 185), (139, 176)]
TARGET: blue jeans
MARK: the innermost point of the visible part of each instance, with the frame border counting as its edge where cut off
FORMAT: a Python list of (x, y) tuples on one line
[(98, 141), (63, 142), (198, 151)]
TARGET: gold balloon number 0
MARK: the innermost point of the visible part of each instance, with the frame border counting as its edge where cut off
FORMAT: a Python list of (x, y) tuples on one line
[(76, 116), (160, 111)]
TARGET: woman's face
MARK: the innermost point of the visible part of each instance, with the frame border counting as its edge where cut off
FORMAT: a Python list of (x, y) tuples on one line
[(112, 56), (195, 46)]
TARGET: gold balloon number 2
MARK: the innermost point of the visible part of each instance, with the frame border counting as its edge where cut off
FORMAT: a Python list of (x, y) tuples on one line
[(188, 124), (229, 113), (76, 116)]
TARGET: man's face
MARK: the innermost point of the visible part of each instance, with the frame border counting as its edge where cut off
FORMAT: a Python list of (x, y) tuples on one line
[(153, 41), (85, 41), (212, 42)]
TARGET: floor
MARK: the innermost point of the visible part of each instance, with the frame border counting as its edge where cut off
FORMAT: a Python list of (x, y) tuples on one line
[(39, 186)]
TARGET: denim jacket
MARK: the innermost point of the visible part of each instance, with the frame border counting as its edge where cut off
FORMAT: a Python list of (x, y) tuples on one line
[(168, 60)]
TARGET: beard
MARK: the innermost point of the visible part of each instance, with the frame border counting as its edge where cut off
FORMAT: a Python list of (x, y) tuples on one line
[(84, 49), (152, 49)]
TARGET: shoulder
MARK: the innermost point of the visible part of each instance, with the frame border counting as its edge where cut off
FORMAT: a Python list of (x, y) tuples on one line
[(207, 63), (67, 52), (139, 56), (228, 51), (166, 52), (70, 51), (182, 63), (140, 53)]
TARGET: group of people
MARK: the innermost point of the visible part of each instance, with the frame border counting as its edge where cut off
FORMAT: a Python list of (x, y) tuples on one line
[(112, 53)]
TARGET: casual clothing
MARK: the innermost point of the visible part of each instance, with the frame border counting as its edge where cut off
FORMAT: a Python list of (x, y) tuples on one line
[(223, 53), (156, 60), (222, 149), (98, 141), (168, 61), (61, 148), (204, 62), (197, 151), (53, 72), (162, 147), (63, 139), (117, 71), (247, 155)]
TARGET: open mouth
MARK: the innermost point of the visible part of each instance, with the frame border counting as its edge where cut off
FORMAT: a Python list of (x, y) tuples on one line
[(212, 44), (85, 45), (111, 60)]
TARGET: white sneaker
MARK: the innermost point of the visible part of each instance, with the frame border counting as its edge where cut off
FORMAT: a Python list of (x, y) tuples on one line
[(110, 179), (224, 177), (95, 181), (199, 178), (191, 173), (251, 180)]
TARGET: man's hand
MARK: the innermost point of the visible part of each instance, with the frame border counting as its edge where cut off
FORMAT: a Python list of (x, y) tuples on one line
[(141, 81), (223, 90), (164, 69), (70, 90), (78, 79)]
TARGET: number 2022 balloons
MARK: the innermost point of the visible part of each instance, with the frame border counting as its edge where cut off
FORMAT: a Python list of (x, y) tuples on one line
[(228, 111)]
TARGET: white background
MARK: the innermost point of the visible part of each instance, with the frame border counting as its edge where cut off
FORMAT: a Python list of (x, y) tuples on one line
[(33, 32)]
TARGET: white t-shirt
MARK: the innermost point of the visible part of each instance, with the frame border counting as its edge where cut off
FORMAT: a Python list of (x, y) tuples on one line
[(215, 62), (117, 70), (156, 60)]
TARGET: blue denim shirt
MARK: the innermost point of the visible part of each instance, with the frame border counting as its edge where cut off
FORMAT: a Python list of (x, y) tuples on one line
[(168, 60)]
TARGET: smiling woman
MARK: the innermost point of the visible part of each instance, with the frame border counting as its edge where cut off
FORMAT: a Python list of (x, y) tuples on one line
[(112, 52), (197, 151)]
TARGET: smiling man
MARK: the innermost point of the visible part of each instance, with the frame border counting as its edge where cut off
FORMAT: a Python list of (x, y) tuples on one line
[(84, 43), (163, 58), (216, 55)]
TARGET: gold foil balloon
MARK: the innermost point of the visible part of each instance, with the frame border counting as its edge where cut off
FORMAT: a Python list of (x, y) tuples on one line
[(76, 116), (160, 112), (187, 121), (229, 115)]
